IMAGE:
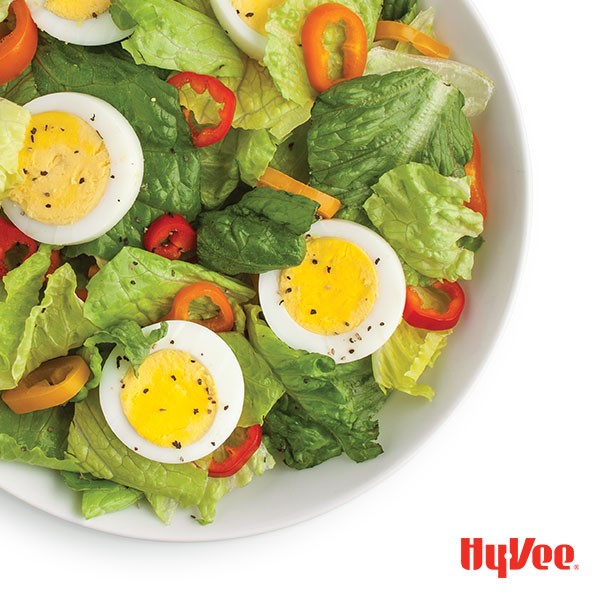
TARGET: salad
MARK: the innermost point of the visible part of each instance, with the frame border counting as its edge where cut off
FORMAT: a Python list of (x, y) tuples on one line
[(230, 231)]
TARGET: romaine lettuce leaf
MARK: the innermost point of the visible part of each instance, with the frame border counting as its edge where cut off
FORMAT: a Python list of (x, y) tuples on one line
[(99, 496), (159, 39), (13, 125), (401, 361), (338, 402), (92, 444), (139, 286), (364, 127), (283, 55), (422, 215), (261, 388), (398, 10), (262, 232), (475, 86), (4, 9), (37, 438)]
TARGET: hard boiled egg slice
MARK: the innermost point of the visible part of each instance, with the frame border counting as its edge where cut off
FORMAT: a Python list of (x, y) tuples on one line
[(82, 164), (85, 22), (184, 402), (346, 298), (244, 21)]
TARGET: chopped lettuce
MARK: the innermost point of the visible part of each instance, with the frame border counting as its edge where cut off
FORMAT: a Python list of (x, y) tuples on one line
[(13, 124), (99, 496), (96, 449), (422, 214), (475, 86), (399, 10), (159, 39), (261, 388), (4, 4), (283, 55), (139, 286), (401, 361), (338, 402), (33, 331), (262, 232), (364, 127), (37, 438)]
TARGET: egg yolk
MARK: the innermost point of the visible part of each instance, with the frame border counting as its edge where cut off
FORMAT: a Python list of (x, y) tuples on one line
[(254, 13), (66, 169), (77, 11), (333, 290), (172, 402)]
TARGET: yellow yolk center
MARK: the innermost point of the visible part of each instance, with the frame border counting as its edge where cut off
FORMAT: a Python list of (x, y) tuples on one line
[(254, 13), (172, 402), (66, 167), (333, 290), (77, 11)]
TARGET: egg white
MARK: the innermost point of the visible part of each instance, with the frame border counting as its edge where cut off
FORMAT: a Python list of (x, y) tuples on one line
[(96, 31), (126, 170), (218, 359), (243, 36), (379, 324)]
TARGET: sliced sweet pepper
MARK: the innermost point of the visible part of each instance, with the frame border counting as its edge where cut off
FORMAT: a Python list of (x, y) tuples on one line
[(170, 236), (13, 239), (400, 32), (416, 315), (18, 48), (238, 456), (316, 55), (478, 199)]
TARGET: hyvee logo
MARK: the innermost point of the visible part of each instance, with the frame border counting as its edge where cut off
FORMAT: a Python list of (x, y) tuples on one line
[(514, 555)]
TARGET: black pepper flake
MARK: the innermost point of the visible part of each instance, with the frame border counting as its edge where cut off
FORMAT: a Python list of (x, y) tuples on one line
[(377, 261), (213, 444), (346, 324), (146, 390), (112, 176), (162, 410), (369, 328), (288, 290), (313, 311), (43, 310), (173, 378), (132, 282), (226, 407), (76, 152), (48, 205), (381, 324), (136, 448), (81, 180), (329, 269), (249, 14), (135, 263), (196, 411), (47, 194), (43, 173), (280, 302), (192, 360), (25, 171), (199, 381), (93, 117), (122, 386), (314, 261), (176, 444), (351, 351), (94, 16), (172, 342)]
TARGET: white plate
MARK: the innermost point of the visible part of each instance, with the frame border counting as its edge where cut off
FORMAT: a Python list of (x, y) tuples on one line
[(284, 496)]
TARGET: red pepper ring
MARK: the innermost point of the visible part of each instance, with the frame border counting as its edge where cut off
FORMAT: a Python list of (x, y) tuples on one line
[(220, 93), (170, 236), (316, 55), (238, 456), (11, 236), (429, 318)]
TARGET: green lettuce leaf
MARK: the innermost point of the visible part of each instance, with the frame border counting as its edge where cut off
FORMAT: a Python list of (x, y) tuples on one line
[(364, 127), (399, 10), (34, 332), (99, 452), (37, 438), (164, 508), (139, 286), (336, 402), (171, 164), (159, 39), (260, 462), (284, 57), (401, 361), (100, 497), (475, 86), (423, 216), (4, 4), (13, 125), (263, 231), (292, 155), (261, 388), (21, 89)]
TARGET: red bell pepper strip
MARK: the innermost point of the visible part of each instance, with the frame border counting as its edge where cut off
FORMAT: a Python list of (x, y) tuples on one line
[(316, 55), (220, 93), (10, 238), (478, 200), (170, 236), (17, 49), (237, 456), (416, 315), (180, 310)]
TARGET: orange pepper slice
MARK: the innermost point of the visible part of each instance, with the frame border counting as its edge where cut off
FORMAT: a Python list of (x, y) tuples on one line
[(316, 56), (180, 310), (478, 199), (328, 205), (400, 32), (51, 384)]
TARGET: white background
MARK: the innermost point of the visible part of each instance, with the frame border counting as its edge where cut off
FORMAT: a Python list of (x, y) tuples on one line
[(518, 458)]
